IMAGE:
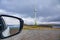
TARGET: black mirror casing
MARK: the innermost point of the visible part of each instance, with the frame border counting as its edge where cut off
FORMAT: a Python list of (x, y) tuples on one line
[(21, 25)]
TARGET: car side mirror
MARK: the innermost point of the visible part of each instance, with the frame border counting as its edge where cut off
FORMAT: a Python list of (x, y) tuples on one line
[(10, 25)]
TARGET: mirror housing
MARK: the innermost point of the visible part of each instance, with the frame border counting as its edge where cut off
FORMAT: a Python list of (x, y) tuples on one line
[(4, 27)]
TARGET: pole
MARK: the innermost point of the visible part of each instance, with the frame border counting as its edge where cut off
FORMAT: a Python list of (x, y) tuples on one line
[(35, 15)]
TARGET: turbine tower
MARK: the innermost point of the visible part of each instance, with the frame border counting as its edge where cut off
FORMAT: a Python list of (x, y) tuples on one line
[(35, 16)]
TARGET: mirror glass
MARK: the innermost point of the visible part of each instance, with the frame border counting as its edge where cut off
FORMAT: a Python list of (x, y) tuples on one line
[(12, 26)]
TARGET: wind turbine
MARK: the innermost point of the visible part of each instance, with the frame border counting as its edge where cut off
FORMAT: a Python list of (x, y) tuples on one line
[(35, 16)]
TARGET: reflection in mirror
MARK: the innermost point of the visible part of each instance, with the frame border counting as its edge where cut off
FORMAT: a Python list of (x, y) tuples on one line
[(12, 25)]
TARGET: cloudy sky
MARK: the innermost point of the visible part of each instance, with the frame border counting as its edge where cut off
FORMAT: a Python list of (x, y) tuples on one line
[(47, 10)]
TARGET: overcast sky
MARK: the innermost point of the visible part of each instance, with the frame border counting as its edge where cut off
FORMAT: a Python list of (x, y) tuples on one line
[(47, 10)]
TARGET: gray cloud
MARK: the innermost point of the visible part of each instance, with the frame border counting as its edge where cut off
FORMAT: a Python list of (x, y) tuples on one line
[(26, 6), (45, 8)]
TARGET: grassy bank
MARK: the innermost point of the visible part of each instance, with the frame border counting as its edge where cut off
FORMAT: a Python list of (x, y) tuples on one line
[(39, 28)]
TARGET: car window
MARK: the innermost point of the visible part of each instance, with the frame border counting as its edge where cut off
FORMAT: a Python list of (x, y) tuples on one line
[(41, 18)]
